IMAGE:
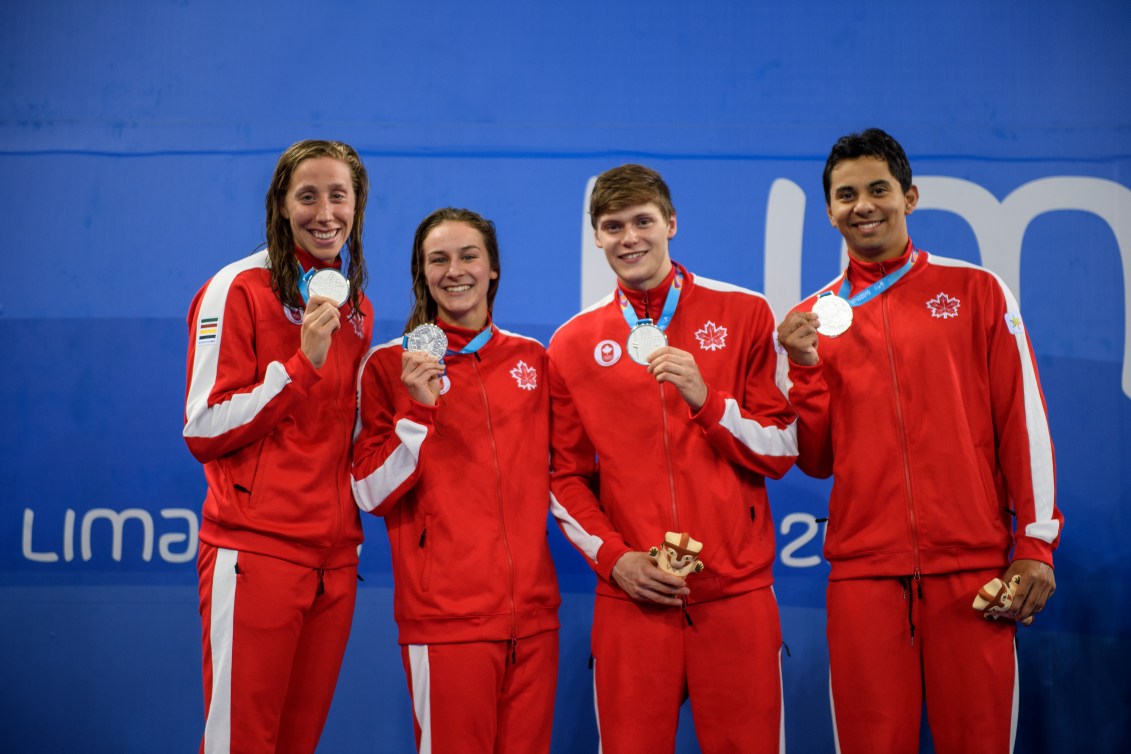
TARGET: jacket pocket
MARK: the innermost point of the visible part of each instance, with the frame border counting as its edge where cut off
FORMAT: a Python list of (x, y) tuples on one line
[(242, 474), (426, 552)]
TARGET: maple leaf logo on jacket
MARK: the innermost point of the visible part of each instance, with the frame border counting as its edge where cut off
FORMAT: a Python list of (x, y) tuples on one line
[(943, 306), (525, 376), (711, 337)]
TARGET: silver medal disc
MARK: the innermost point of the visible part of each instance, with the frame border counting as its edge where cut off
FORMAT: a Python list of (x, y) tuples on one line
[(427, 338), (835, 315), (330, 284), (642, 341)]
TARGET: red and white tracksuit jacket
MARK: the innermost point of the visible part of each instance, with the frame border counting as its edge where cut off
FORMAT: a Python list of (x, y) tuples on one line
[(929, 416), (631, 461), (281, 531), (464, 490), (272, 431)]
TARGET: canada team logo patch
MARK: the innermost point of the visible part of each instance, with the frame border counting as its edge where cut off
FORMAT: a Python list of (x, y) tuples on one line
[(607, 353), (943, 306), (207, 330), (525, 376), (711, 337), (294, 314)]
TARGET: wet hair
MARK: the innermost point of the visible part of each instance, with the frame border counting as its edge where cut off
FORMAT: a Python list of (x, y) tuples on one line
[(280, 239), (628, 186), (424, 307), (870, 143)]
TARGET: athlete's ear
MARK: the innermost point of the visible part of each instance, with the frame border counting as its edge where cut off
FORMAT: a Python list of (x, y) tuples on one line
[(671, 227), (912, 199)]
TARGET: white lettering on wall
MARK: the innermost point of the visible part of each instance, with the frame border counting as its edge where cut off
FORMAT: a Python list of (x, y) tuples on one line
[(90, 534), (809, 530)]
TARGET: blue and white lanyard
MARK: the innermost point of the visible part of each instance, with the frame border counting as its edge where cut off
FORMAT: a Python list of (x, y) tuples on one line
[(666, 315), (878, 287), (474, 344)]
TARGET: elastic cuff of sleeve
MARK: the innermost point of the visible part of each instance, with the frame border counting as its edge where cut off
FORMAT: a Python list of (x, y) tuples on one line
[(800, 373), (302, 372), (1027, 548), (420, 413), (607, 558), (711, 412)]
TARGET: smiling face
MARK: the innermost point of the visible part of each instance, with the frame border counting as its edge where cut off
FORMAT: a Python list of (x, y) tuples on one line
[(635, 242), (868, 207), (458, 271), (320, 206)]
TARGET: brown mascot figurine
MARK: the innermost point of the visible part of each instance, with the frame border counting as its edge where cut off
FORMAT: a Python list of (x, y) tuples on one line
[(679, 554), (995, 599)]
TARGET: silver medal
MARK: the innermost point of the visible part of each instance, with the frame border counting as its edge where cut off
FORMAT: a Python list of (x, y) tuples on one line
[(428, 338), (835, 315), (331, 284), (643, 340)]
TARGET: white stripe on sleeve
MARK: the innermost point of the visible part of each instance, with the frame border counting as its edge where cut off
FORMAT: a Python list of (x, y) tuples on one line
[(583, 540), (765, 441), (371, 491)]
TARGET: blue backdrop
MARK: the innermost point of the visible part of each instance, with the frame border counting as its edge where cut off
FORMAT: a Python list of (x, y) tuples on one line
[(136, 143)]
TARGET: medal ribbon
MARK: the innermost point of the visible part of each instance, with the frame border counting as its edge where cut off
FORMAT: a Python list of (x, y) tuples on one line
[(877, 287), (475, 343), (670, 304)]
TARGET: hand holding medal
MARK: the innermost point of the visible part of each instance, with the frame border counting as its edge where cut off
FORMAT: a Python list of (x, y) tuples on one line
[(422, 363)]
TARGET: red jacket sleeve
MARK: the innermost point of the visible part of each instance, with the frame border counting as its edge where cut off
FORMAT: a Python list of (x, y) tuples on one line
[(573, 479), (229, 404), (1025, 451), (757, 432), (810, 398), (387, 448)]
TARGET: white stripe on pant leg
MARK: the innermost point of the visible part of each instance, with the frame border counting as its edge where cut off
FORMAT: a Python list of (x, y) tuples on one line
[(781, 684), (218, 726), (781, 696), (1016, 695), (596, 712), (421, 693), (832, 708)]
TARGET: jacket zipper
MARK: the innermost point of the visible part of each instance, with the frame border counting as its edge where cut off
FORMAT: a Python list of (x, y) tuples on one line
[(338, 529), (912, 523), (667, 438), (502, 515), (668, 457)]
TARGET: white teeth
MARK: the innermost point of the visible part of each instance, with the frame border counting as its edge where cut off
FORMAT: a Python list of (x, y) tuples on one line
[(633, 255), (458, 288), (324, 235)]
